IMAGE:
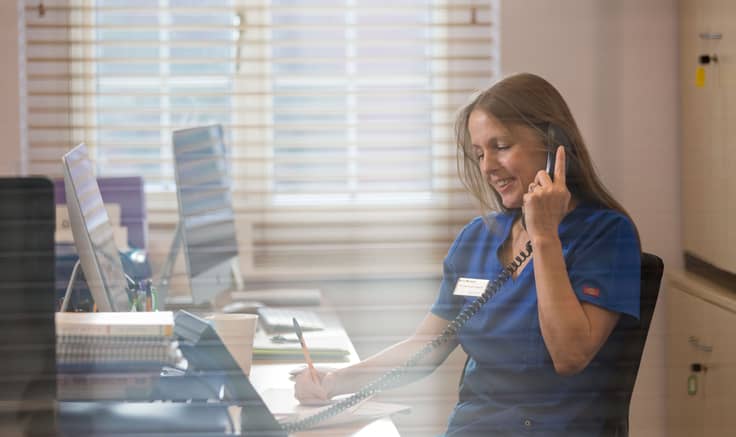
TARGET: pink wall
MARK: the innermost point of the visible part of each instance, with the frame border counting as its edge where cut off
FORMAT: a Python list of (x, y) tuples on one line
[(10, 121), (616, 62)]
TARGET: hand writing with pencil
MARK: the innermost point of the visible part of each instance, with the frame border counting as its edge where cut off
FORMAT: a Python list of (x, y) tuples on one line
[(309, 392), (305, 349), (312, 386)]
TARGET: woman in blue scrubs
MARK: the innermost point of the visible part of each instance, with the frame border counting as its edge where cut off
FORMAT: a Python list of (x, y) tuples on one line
[(542, 351)]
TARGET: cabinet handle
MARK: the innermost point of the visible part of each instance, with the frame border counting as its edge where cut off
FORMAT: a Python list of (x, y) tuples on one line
[(695, 342)]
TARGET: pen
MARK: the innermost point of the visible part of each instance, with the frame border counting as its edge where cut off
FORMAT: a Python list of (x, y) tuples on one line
[(312, 370), (149, 300), (146, 286)]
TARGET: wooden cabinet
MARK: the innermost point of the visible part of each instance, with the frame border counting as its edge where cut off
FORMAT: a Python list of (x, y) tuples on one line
[(701, 330), (702, 315), (708, 117)]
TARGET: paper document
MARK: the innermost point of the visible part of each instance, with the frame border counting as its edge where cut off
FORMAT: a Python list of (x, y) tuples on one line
[(286, 408), (324, 346)]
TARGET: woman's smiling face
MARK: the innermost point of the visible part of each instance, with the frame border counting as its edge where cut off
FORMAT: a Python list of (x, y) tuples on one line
[(509, 156)]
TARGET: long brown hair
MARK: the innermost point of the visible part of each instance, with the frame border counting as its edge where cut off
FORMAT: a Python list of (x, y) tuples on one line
[(529, 100)]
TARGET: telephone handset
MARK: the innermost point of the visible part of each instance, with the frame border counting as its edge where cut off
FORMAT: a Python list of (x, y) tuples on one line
[(554, 137), (390, 378)]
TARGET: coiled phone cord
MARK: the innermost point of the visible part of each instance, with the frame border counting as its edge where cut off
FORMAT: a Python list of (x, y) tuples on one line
[(390, 378)]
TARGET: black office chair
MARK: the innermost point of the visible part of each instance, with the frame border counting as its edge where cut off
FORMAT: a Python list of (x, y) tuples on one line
[(632, 338)]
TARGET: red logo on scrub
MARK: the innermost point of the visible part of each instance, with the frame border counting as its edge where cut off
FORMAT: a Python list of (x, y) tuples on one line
[(591, 291)]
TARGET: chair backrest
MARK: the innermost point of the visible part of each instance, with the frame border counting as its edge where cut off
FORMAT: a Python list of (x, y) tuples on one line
[(634, 337), (652, 268)]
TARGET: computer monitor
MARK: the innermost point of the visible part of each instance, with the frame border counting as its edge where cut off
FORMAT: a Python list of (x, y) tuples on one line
[(206, 219), (93, 233)]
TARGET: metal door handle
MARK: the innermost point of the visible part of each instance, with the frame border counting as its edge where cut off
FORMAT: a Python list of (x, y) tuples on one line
[(693, 340)]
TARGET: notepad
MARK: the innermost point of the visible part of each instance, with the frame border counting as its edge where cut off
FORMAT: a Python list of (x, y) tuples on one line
[(324, 347), (285, 408), (280, 319)]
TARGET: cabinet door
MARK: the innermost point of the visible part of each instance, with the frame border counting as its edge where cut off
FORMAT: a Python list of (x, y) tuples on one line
[(686, 318), (708, 117), (720, 389)]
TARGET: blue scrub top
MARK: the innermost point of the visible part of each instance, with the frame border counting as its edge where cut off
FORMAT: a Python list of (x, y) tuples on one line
[(510, 386)]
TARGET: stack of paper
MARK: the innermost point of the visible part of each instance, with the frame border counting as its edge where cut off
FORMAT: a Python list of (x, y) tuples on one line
[(323, 347), (106, 355)]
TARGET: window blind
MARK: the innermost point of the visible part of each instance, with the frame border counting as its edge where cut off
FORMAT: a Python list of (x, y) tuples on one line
[(338, 116)]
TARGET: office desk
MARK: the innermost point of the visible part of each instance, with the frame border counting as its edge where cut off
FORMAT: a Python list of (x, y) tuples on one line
[(267, 375), (264, 376)]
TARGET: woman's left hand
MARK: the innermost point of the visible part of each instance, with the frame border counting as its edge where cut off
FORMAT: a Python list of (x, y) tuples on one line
[(547, 201)]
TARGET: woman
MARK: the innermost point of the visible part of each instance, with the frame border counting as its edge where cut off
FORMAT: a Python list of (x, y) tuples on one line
[(542, 350)]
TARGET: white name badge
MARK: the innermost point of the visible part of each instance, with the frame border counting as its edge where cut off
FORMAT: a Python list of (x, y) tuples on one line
[(470, 287)]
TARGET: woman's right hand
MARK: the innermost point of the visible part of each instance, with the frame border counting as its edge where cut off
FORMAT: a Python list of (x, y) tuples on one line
[(310, 392)]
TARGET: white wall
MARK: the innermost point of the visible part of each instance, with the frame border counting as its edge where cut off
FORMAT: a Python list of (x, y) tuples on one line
[(616, 63), (10, 121)]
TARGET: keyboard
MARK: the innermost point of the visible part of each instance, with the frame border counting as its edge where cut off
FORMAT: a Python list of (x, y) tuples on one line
[(279, 319), (281, 297)]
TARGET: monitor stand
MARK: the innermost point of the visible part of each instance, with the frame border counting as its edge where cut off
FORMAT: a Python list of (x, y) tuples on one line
[(186, 302), (164, 281), (73, 279), (271, 297), (70, 287)]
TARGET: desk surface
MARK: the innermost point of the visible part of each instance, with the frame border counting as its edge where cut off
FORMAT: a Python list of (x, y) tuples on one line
[(271, 375), (265, 376)]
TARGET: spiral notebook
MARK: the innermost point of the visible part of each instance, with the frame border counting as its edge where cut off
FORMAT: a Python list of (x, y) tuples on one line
[(115, 342), (99, 357)]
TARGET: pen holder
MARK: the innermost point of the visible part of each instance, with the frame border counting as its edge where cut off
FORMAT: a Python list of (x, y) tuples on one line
[(144, 297)]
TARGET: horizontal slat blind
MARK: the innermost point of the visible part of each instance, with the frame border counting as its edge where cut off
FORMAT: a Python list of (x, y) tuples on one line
[(338, 114)]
